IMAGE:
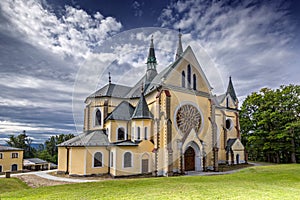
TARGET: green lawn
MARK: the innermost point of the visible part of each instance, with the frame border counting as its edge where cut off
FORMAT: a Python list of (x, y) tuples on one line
[(11, 184), (267, 182)]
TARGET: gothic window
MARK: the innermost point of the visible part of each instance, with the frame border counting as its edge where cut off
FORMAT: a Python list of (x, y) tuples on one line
[(0, 168), (194, 82), (146, 133), (138, 133), (1, 156), (127, 159), (189, 75), (98, 159), (182, 79), (121, 133), (98, 118), (188, 117)]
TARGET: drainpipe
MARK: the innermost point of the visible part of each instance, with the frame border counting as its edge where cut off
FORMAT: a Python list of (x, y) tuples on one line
[(108, 166), (67, 171)]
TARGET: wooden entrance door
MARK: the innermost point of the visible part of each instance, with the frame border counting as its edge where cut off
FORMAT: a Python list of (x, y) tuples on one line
[(189, 159), (145, 166)]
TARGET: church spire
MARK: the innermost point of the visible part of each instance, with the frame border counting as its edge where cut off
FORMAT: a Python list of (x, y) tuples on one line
[(230, 90), (151, 64), (151, 61), (179, 47)]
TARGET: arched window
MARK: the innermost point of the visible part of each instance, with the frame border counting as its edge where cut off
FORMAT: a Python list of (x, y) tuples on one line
[(194, 82), (146, 133), (14, 167), (138, 133), (98, 118), (127, 159), (182, 79), (98, 159), (189, 75), (121, 133), (0, 168)]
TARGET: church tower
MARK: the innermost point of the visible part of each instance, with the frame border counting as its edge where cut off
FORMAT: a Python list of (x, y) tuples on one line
[(151, 65)]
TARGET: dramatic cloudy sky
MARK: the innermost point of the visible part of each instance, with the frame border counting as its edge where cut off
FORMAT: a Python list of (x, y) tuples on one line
[(53, 53)]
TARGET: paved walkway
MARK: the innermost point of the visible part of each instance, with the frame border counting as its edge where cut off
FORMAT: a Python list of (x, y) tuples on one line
[(44, 174)]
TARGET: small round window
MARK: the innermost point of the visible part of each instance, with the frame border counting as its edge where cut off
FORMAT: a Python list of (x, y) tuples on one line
[(229, 124)]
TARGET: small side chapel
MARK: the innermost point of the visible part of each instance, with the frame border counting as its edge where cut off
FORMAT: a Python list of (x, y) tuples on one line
[(168, 122)]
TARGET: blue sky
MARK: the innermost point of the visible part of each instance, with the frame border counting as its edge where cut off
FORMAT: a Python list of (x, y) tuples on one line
[(53, 53)]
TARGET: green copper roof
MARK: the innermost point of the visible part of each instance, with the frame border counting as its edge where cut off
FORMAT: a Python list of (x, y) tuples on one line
[(151, 54)]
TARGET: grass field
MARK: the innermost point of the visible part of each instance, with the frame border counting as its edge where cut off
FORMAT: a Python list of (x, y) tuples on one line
[(267, 182)]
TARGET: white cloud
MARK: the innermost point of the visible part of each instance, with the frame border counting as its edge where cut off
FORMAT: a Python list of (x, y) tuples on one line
[(250, 40), (74, 34)]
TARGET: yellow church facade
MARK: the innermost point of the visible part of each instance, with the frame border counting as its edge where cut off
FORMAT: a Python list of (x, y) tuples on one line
[(169, 122)]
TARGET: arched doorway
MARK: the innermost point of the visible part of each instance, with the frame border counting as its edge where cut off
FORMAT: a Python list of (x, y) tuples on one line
[(189, 159)]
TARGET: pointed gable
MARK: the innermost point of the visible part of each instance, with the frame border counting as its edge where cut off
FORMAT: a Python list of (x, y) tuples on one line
[(142, 111), (231, 91), (172, 75), (234, 144)]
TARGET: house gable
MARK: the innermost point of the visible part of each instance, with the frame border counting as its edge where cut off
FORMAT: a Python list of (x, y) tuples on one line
[(237, 145)]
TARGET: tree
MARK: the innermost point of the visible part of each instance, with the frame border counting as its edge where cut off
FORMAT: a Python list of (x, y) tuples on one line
[(270, 124), (51, 146), (24, 142)]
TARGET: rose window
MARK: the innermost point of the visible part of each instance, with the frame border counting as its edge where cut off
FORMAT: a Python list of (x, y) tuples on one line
[(188, 117)]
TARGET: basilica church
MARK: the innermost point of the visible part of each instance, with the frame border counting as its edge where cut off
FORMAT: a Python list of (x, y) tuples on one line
[(167, 123)]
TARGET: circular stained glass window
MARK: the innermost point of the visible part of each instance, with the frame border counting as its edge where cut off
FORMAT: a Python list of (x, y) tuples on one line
[(188, 117)]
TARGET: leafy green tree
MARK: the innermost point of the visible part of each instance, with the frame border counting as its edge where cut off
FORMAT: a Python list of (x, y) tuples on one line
[(269, 122), (22, 141), (51, 150)]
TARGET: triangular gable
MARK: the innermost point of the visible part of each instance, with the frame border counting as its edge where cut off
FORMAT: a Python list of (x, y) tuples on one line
[(237, 145), (231, 102), (173, 74)]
